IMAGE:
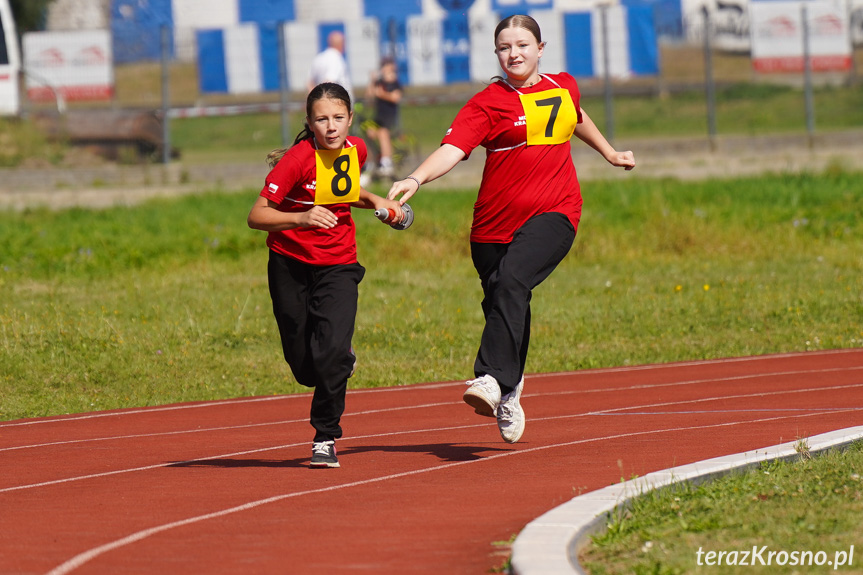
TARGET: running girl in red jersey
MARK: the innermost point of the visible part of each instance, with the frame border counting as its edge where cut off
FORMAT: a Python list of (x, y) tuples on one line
[(313, 270), (528, 208)]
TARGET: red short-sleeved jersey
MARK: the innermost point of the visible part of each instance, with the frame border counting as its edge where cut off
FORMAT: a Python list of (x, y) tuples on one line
[(518, 181), (291, 184)]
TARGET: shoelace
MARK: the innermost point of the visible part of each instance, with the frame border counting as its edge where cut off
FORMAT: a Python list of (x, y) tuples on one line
[(322, 448)]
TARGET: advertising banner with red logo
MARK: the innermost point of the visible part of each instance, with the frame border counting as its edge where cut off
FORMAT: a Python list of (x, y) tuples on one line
[(777, 36), (74, 65)]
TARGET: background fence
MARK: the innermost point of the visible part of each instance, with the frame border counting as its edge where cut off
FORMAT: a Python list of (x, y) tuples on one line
[(184, 58)]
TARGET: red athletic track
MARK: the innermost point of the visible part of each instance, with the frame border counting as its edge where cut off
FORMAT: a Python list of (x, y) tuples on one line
[(425, 485)]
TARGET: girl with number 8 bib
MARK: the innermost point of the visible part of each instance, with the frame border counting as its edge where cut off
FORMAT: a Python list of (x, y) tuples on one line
[(313, 271), (528, 208)]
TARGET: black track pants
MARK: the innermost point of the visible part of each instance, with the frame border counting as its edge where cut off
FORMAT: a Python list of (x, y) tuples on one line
[(316, 309), (508, 273)]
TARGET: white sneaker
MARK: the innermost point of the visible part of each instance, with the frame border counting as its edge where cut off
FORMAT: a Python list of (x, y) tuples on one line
[(386, 171), (483, 395), (365, 180), (510, 415)]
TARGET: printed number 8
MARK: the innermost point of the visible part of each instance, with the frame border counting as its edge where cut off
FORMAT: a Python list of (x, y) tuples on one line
[(555, 107), (341, 167)]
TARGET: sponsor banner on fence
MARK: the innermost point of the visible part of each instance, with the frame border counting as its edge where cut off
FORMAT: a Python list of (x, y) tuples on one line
[(10, 62), (76, 65), (778, 36)]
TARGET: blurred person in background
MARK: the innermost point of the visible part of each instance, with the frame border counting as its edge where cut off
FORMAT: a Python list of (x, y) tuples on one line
[(386, 92), (528, 207), (330, 65)]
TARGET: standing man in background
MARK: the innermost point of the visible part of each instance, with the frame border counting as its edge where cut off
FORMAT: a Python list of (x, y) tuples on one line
[(330, 65)]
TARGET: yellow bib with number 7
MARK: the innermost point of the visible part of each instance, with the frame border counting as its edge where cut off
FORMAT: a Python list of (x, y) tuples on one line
[(550, 116), (337, 176)]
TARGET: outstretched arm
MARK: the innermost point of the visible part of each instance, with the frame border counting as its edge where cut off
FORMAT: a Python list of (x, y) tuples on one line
[(372, 201), (588, 133), (436, 165)]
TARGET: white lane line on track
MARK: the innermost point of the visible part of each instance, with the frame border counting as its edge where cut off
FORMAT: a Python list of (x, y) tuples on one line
[(216, 403), (222, 428), (724, 397), (159, 434), (697, 381), (621, 410), (87, 556), (224, 455), (746, 359), (421, 406), (440, 385), (724, 411)]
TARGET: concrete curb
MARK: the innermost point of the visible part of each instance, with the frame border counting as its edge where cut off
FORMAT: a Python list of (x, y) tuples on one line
[(549, 545)]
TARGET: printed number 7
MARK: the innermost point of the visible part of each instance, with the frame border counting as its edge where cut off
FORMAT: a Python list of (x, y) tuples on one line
[(555, 107)]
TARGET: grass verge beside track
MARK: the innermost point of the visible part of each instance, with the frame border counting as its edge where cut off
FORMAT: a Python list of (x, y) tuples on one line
[(167, 301), (784, 517)]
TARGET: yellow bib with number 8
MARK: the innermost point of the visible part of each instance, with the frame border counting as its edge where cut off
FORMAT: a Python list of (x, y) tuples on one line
[(550, 116), (337, 176)]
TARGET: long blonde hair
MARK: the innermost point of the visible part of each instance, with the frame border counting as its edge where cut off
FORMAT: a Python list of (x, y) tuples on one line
[(329, 90)]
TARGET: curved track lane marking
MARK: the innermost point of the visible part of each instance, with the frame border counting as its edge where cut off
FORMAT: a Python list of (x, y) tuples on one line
[(400, 408), (87, 556)]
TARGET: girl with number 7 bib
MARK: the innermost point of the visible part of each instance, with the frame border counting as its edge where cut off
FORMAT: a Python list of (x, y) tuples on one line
[(313, 271), (528, 208)]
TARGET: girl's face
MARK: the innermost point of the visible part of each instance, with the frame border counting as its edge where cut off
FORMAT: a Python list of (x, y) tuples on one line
[(518, 53), (330, 121)]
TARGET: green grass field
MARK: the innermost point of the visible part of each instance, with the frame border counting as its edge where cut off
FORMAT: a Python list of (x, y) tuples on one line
[(167, 301), (811, 505)]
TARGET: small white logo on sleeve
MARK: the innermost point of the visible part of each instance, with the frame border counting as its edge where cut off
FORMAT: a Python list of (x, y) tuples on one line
[(448, 132), (273, 188)]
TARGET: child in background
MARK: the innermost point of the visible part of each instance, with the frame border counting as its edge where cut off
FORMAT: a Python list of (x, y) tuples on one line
[(387, 93), (313, 272)]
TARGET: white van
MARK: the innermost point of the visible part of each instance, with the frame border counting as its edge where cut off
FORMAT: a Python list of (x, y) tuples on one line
[(10, 63)]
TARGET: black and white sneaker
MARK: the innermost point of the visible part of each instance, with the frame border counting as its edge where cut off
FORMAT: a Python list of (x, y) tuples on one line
[(324, 454)]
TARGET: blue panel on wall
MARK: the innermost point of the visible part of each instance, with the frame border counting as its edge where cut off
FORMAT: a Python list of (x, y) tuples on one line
[(456, 48), (136, 29), (268, 37), (667, 15), (643, 52), (579, 44), (398, 9), (460, 6), (266, 10), (509, 7), (212, 75)]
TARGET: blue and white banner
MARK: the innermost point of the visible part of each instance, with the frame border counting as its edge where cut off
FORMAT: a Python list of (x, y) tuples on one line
[(238, 60), (245, 58), (632, 43), (437, 51)]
